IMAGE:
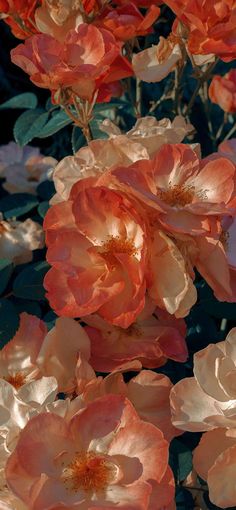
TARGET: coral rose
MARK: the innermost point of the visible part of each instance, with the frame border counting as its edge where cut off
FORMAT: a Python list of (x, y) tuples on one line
[(88, 58), (210, 26), (227, 149), (91, 460), (222, 91), (126, 22), (98, 252), (186, 193), (19, 15), (155, 63)]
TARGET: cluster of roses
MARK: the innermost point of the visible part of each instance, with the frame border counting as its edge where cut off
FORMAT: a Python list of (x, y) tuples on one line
[(133, 217), (83, 48)]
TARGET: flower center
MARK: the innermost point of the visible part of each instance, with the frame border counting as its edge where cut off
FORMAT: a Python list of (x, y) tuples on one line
[(179, 194), (16, 380), (89, 471), (114, 245)]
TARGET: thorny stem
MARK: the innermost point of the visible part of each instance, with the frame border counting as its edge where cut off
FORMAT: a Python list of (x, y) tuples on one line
[(138, 105), (204, 77)]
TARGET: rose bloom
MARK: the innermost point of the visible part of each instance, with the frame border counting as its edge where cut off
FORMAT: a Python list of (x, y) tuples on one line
[(74, 66), (222, 91), (24, 167), (19, 238), (155, 63), (151, 339), (97, 247), (187, 194), (126, 22), (119, 149), (19, 15), (148, 392), (91, 460), (210, 26)]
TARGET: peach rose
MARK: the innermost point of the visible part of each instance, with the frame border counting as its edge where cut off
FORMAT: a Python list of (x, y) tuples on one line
[(88, 58), (222, 91), (155, 63), (19, 238), (218, 466), (24, 167), (208, 400), (91, 460)]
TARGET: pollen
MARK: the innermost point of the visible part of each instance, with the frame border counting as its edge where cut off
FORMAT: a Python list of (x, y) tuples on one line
[(16, 380), (90, 472), (115, 245), (180, 195)]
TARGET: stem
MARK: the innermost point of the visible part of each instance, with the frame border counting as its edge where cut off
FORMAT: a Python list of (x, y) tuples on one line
[(230, 133), (204, 77), (138, 98)]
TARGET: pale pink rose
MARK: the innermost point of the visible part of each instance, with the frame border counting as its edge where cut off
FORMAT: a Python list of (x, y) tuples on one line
[(19, 238), (152, 133), (217, 467), (24, 167), (59, 357), (227, 149), (104, 456), (93, 160), (208, 400), (18, 357), (151, 340), (155, 63)]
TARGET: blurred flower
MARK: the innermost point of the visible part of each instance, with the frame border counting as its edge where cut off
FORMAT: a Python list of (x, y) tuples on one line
[(24, 167), (75, 66), (19, 238), (155, 63), (209, 26), (94, 456), (227, 149), (222, 91)]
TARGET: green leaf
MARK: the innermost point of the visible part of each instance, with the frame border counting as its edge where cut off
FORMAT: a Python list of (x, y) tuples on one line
[(180, 459), (24, 305), (43, 208), (102, 107), (29, 283), (29, 125), (58, 120), (27, 100), (78, 140), (9, 321), (17, 204), (95, 128), (6, 270)]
